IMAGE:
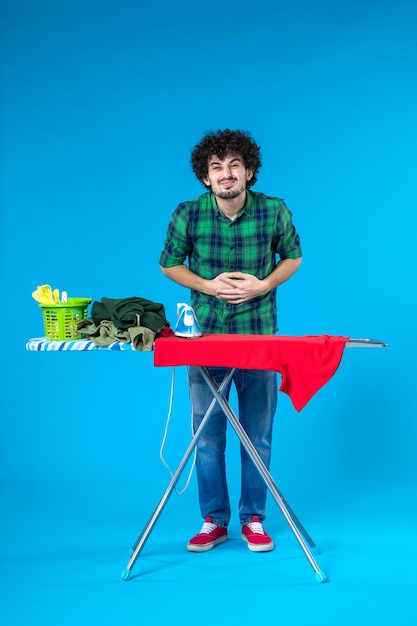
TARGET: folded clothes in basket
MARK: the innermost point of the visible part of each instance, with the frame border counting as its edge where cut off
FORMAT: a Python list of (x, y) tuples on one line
[(128, 312)]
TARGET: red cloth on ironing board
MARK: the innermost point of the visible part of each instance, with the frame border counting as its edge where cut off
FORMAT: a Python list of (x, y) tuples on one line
[(305, 363)]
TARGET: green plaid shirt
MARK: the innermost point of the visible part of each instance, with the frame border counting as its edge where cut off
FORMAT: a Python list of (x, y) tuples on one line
[(214, 244)]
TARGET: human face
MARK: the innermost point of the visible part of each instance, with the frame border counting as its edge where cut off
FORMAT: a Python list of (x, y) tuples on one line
[(227, 177)]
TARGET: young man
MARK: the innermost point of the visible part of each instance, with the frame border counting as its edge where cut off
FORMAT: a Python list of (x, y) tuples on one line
[(231, 238)]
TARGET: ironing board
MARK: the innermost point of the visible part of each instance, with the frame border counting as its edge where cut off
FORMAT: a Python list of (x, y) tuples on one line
[(305, 365)]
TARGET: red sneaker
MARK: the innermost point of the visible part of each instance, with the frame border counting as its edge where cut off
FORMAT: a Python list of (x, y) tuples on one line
[(255, 536), (209, 536)]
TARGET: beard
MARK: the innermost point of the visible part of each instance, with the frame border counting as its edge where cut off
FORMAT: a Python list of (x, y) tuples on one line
[(229, 194)]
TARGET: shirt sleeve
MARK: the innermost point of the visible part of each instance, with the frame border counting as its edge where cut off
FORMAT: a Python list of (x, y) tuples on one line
[(288, 241), (177, 246)]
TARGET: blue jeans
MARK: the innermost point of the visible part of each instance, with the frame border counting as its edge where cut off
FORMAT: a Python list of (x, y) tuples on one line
[(257, 400)]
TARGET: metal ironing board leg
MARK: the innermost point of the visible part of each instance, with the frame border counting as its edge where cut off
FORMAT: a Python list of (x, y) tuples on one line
[(294, 524), (141, 540)]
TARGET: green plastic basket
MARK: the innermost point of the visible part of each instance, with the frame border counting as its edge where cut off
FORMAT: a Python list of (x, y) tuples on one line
[(60, 320)]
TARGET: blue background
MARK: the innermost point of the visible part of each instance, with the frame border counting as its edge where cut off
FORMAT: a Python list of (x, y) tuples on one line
[(101, 105)]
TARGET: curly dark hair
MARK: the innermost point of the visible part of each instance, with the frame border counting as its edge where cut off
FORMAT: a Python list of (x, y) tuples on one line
[(222, 143)]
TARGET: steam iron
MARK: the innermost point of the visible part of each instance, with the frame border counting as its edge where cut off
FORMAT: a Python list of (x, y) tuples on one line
[(187, 325)]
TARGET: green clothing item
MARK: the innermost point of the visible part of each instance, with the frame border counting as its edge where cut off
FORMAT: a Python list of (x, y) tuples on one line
[(127, 312), (213, 244), (106, 333)]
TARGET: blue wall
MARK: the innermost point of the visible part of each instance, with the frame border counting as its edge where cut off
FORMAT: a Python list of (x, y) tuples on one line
[(101, 105)]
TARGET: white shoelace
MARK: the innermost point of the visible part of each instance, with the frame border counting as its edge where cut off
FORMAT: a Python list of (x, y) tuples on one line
[(256, 527), (207, 528)]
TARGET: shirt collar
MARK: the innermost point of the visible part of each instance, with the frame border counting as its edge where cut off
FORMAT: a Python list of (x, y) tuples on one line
[(249, 207)]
